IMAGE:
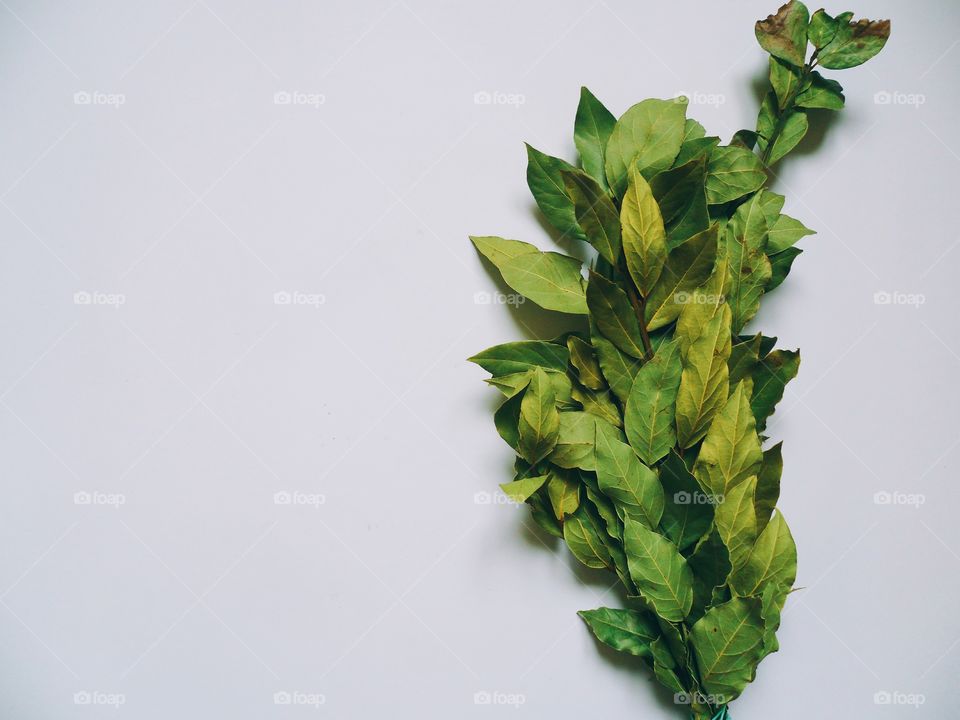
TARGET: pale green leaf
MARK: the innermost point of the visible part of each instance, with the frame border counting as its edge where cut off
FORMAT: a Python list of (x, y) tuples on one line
[(688, 266), (583, 538), (736, 521), (854, 42), (732, 173), (659, 571), (703, 382), (627, 481), (773, 560), (520, 490), (647, 136), (539, 422), (649, 413), (643, 234), (551, 280), (728, 644), (585, 362), (518, 357), (731, 449)]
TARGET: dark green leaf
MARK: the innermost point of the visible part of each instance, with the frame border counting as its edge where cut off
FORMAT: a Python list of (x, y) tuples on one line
[(610, 308), (595, 213), (591, 130), (687, 512), (545, 179), (628, 631)]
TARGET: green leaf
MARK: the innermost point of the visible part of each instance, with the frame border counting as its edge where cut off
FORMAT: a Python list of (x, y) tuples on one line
[(591, 130), (770, 378), (611, 310), (628, 631), (564, 493), (784, 233), (551, 280), (664, 666), (821, 93), (748, 266), (768, 485), (773, 560), (545, 179), (854, 42), (619, 369), (744, 357), (650, 410), (681, 195), (703, 383), (736, 521), (507, 419), (728, 644), (710, 563), (518, 357), (780, 266), (696, 148), (539, 422), (575, 440), (521, 490), (599, 403), (510, 385), (822, 29), (732, 173), (794, 128), (542, 514), (498, 250), (582, 536), (688, 266), (731, 449), (785, 79), (644, 237), (627, 481), (687, 513), (784, 35), (704, 304), (647, 136), (659, 571), (585, 363), (595, 212)]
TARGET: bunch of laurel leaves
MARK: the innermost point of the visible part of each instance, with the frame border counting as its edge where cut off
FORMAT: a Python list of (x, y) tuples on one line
[(639, 433)]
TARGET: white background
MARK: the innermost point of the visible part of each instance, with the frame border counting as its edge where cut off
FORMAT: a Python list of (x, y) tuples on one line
[(183, 188)]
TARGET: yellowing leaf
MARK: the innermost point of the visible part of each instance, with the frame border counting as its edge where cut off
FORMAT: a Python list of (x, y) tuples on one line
[(643, 234)]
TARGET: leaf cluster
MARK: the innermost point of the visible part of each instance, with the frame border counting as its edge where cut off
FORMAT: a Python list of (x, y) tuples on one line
[(638, 434)]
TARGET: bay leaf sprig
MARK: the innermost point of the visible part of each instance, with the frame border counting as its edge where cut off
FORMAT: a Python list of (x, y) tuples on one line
[(638, 433)]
